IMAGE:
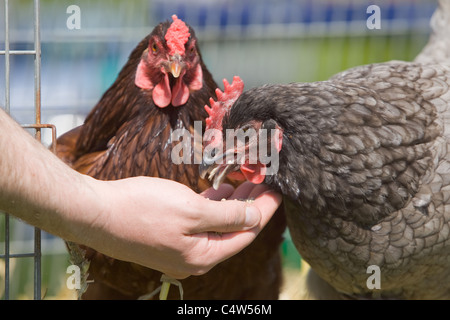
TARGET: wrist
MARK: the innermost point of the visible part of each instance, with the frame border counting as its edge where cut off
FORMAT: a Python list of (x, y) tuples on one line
[(83, 219)]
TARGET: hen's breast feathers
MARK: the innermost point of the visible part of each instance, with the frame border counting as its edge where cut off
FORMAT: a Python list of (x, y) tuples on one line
[(381, 180), (145, 146)]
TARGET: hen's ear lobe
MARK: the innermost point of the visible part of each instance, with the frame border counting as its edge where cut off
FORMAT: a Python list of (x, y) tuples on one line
[(278, 138), (276, 133), (142, 80)]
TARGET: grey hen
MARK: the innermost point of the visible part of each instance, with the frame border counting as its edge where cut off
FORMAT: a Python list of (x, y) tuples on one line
[(365, 171)]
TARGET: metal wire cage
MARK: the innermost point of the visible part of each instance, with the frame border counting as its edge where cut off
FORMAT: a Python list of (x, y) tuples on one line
[(263, 41), (36, 53)]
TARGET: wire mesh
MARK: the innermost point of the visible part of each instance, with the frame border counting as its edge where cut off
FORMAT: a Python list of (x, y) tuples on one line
[(36, 254), (263, 41), (37, 126)]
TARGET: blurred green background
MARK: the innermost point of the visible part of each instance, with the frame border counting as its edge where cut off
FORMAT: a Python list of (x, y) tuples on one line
[(262, 41)]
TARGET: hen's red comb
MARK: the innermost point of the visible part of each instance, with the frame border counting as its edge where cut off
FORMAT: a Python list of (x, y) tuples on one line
[(224, 102), (176, 36)]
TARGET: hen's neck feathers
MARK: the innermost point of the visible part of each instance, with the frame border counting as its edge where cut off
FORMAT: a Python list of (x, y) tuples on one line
[(437, 49)]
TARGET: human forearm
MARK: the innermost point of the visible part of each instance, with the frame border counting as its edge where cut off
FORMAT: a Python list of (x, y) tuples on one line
[(35, 185)]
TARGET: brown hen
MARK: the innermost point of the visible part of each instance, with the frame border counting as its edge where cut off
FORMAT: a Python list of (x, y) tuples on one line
[(164, 86)]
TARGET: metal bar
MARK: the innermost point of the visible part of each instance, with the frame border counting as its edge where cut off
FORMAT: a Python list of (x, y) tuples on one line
[(45, 126), (18, 255), (37, 95), (7, 71), (40, 126), (7, 256), (18, 52), (37, 67), (37, 264), (7, 109)]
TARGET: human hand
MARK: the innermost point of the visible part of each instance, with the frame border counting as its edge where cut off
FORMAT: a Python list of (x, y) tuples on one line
[(160, 224), (166, 226)]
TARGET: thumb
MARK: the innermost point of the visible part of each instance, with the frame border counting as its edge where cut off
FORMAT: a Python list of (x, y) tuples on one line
[(228, 216)]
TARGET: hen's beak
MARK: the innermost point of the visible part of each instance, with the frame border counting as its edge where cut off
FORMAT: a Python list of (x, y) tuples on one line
[(176, 65), (216, 172), (204, 169)]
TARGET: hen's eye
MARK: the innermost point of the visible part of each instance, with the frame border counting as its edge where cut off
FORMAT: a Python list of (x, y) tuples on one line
[(190, 49), (154, 47)]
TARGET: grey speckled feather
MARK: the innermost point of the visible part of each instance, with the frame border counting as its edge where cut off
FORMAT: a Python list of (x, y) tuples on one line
[(365, 170)]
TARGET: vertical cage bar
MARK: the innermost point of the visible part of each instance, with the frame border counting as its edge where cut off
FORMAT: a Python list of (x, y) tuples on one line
[(37, 106), (7, 109), (37, 264), (7, 57), (37, 67), (6, 256)]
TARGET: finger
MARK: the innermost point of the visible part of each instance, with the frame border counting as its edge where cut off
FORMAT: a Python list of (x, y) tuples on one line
[(267, 203), (242, 191), (233, 215), (265, 199), (224, 245), (248, 190), (227, 216), (224, 191), (215, 248), (258, 190)]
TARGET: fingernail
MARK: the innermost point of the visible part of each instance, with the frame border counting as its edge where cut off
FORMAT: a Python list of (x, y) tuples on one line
[(252, 216)]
